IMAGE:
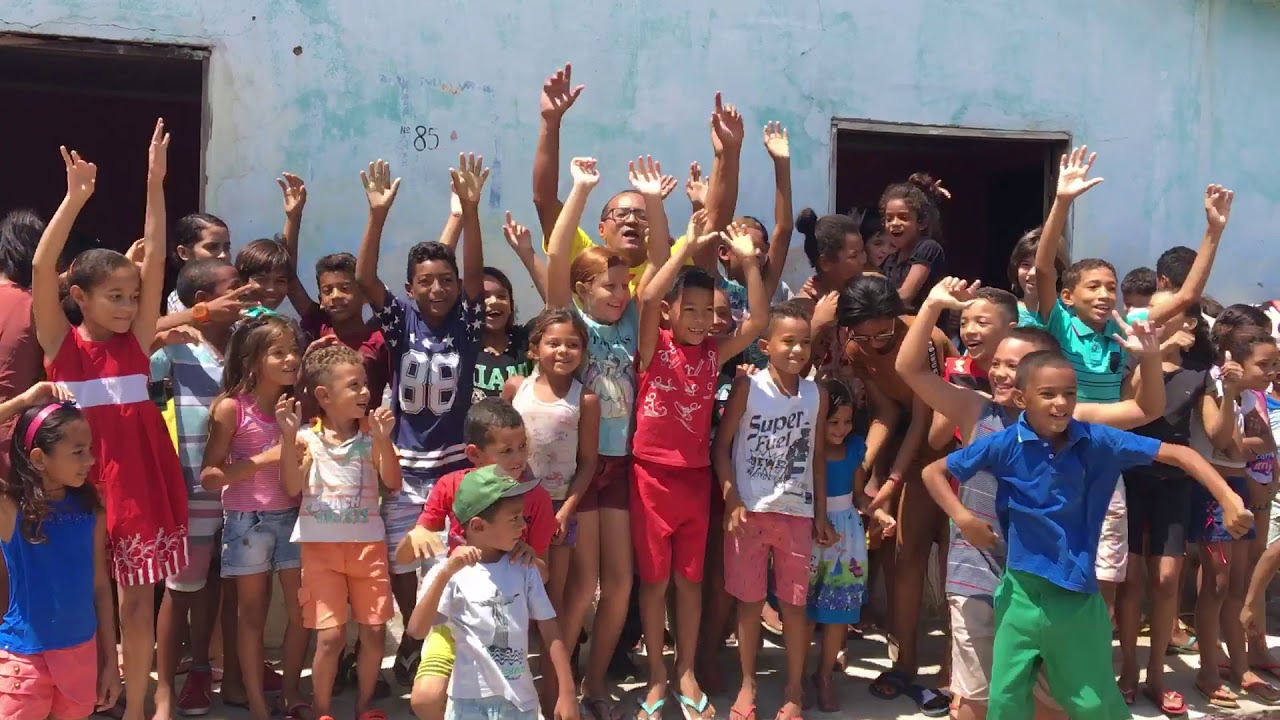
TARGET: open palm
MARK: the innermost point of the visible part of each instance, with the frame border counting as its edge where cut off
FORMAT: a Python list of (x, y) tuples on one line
[(1073, 173), (469, 177)]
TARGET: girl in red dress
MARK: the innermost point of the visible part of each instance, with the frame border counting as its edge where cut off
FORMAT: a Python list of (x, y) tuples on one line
[(104, 363)]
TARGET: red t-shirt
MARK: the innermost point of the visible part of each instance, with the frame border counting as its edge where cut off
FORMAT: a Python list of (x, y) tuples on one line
[(20, 356), (674, 402), (539, 517), (367, 341)]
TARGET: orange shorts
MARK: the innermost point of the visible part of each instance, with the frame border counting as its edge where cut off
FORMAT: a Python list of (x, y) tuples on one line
[(337, 574), (59, 683)]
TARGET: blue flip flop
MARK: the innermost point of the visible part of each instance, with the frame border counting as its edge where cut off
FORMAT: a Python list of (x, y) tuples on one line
[(654, 711), (693, 710)]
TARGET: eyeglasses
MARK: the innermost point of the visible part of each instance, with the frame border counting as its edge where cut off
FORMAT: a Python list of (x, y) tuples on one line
[(623, 214), (882, 337)]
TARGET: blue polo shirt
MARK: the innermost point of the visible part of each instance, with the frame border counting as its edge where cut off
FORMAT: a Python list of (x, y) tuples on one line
[(1051, 504), (1096, 356)]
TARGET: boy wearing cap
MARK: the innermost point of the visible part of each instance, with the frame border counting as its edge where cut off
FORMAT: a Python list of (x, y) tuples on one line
[(486, 601)]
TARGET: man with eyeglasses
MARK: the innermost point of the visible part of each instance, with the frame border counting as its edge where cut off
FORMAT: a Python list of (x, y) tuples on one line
[(624, 223)]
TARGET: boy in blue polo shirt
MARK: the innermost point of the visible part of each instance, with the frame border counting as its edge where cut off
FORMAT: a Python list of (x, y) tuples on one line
[(1056, 476)]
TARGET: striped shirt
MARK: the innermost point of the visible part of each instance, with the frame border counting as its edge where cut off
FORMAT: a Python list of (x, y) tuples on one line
[(195, 372), (255, 433), (973, 572), (1099, 360)]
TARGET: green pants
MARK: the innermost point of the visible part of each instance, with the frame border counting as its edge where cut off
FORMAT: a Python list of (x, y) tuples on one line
[(1069, 634)]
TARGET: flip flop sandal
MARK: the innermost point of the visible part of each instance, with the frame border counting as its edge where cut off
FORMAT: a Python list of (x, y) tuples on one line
[(896, 682), (695, 710), (1170, 703), (1129, 695), (930, 702), (1187, 648), (781, 716), (299, 711), (1219, 698), (651, 712), (1262, 692), (592, 706), (736, 714)]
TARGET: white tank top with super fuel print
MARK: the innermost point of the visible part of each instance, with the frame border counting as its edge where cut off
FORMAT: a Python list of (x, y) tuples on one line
[(773, 448)]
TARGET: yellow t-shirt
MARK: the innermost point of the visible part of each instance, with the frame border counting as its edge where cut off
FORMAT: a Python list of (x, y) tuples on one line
[(582, 241), (171, 421)]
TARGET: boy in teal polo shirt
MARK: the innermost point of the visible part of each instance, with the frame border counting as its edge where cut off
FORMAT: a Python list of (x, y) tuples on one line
[(1056, 476)]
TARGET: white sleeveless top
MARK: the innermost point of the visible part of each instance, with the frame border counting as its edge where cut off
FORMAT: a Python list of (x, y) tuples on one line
[(1200, 442), (552, 429), (340, 494), (773, 451)]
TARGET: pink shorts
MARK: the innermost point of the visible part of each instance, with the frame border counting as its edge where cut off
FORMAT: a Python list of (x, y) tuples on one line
[(788, 539), (670, 510), (62, 683)]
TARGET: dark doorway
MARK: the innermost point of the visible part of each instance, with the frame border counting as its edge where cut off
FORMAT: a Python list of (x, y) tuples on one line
[(1001, 184), (102, 99)]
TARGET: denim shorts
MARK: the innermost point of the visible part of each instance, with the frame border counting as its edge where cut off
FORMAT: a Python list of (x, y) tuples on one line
[(490, 708), (258, 541)]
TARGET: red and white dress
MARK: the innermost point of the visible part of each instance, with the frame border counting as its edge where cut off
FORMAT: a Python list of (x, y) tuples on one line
[(136, 468)]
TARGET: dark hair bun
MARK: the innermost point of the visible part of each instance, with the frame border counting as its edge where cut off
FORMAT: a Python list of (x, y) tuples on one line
[(928, 184), (807, 221)]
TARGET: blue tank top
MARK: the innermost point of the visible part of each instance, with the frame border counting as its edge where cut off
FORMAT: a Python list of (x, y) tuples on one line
[(51, 583), (840, 472)]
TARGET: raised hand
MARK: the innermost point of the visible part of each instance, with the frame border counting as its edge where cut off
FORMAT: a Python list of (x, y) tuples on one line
[(158, 155), (697, 222), (287, 416), (295, 193), (517, 235), (645, 175), (1073, 173), (775, 141), (952, 293), (700, 244), (559, 93), (378, 185), (1217, 206), (584, 172), (1232, 374), (726, 128), (1141, 338), (669, 185), (381, 422), (739, 239), (81, 176), (469, 178), (694, 187)]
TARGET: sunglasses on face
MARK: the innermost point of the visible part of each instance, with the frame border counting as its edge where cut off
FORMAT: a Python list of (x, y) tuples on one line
[(882, 337)]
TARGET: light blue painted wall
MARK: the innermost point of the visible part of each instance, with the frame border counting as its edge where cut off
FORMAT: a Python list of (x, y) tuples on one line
[(1173, 94)]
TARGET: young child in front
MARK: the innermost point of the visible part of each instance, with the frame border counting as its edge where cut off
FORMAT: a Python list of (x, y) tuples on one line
[(838, 580), (242, 459), (433, 334), (339, 467), (60, 619), (495, 435), (671, 469), (1055, 477), (486, 600), (104, 362), (194, 371), (769, 456)]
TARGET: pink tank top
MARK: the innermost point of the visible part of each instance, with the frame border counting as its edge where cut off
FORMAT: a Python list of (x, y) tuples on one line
[(255, 432)]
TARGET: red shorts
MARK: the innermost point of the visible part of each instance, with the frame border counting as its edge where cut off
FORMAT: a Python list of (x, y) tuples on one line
[(670, 511), (62, 683), (608, 489), (788, 540)]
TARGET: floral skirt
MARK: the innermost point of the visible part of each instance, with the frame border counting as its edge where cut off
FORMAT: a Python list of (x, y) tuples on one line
[(838, 574)]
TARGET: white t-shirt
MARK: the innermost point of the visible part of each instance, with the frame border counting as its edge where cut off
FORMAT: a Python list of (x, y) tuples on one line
[(340, 494), (488, 608), (773, 447)]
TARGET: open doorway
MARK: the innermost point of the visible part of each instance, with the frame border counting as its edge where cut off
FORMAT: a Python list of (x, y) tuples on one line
[(102, 99), (1001, 183)]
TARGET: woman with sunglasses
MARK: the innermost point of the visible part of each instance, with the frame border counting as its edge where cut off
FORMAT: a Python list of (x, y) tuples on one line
[(872, 323)]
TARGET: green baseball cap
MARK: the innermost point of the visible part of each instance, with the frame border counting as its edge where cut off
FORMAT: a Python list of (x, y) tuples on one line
[(483, 487)]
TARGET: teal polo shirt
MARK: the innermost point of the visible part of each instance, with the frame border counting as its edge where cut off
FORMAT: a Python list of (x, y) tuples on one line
[(1096, 356)]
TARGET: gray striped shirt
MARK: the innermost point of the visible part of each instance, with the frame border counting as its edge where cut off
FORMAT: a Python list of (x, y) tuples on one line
[(972, 572)]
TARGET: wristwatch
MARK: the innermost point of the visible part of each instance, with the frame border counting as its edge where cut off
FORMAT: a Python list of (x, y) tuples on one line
[(200, 313)]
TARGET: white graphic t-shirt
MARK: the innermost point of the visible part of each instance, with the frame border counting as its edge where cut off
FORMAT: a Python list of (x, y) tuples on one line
[(773, 448), (488, 608)]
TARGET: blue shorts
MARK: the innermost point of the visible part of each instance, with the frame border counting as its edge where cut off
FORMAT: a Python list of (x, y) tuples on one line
[(490, 708), (258, 542), (1206, 513)]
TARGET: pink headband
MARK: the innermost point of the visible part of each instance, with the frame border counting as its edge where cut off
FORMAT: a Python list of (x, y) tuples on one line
[(38, 421)]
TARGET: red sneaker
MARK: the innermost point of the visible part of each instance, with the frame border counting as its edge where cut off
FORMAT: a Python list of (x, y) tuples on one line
[(272, 681), (195, 699)]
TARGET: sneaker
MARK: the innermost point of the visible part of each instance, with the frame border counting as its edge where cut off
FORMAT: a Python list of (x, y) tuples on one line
[(195, 699), (272, 682)]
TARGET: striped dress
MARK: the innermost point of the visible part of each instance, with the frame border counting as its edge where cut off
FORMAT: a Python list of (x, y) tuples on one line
[(136, 468)]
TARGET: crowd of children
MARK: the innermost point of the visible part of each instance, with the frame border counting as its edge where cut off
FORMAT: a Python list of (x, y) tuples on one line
[(674, 419)]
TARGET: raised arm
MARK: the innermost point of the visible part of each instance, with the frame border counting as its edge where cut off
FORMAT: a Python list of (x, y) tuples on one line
[(960, 405), (1217, 210), (468, 181), (560, 243), (558, 95), (385, 457), (1073, 181), (646, 178), (1147, 404), (655, 292), (452, 231), (727, 133), (151, 295), (740, 244), (695, 188), (46, 305), (380, 190), (1219, 413), (295, 199), (289, 420), (779, 147), (520, 240)]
